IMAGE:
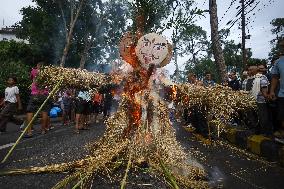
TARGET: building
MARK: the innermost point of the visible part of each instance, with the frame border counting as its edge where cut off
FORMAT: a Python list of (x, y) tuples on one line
[(9, 33)]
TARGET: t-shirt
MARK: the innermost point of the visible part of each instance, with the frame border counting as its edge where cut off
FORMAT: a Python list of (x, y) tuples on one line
[(34, 88), (85, 95), (34, 73), (97, 98), (278, 69), (235, 85), (208, 83), (10, 94), (263, 83)]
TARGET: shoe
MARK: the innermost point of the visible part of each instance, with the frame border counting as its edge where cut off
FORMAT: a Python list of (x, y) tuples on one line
[(84, 128), (43, 132), (22, 127), (76, 131)]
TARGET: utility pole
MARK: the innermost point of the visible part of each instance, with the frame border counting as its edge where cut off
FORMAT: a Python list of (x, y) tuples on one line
[(244, 53)]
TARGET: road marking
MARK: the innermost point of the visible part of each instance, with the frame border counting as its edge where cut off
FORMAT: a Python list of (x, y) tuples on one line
[(6, 146)]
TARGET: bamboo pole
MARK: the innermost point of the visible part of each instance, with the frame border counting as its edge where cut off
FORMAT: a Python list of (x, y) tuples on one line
[(30, 123), (168, 174), (80, 182), (123, 183)]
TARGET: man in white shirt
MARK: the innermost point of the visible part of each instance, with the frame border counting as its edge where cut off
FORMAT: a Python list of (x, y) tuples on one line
[(10, 102)]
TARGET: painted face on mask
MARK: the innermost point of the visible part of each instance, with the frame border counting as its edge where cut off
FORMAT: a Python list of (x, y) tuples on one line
[(151, 49)]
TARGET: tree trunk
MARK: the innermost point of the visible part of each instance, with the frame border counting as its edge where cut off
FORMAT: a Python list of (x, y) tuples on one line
[(70, 33), (84, 55), (217, 49)]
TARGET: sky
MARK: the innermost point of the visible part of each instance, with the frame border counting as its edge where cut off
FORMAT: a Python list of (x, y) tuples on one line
[(259, 28)]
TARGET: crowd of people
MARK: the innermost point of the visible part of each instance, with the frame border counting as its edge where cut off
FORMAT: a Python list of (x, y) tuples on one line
[(71, 105), (265, 85)]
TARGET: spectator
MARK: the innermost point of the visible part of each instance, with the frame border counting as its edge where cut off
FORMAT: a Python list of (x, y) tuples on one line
[(81, 109), (260, 92), (66, 107), (195, 115), (107, 92), (234, 83), (208, 82), (10, 102), (278, 76), (191, 79), (97, 100), (252, 71), (272, 104), (249, 116), (37, 98)]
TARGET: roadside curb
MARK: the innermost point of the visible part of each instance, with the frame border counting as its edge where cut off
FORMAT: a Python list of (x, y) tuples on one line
[(257, 144)]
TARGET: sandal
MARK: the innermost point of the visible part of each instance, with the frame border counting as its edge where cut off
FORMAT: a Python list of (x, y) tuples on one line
[(77, 131), (28, 136), (84, 128)]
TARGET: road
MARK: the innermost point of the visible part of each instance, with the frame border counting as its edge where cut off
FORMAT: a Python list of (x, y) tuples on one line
[(234, 168)]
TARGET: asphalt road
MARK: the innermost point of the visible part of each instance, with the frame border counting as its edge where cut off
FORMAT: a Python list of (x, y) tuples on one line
[(233, 168)]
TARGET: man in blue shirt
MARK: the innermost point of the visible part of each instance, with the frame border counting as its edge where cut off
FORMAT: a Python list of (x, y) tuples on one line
[(278, 75), (208, 82)]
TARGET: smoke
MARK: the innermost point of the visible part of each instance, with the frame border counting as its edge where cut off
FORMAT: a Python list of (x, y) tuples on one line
[(216, 178)]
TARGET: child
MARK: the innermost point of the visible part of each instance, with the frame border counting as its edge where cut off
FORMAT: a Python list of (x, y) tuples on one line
[(10, 102), (66, 107)]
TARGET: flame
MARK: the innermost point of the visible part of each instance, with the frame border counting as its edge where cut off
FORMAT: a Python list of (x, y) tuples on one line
[(174, 92)]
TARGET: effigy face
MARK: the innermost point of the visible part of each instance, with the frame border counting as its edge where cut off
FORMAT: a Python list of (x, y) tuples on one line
[(151, 49)]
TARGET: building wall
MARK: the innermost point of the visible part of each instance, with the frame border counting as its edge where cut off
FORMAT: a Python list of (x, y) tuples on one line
[(8, 37)]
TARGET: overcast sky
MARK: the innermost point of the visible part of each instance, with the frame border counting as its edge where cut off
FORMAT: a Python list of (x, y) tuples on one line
[(259, 29)]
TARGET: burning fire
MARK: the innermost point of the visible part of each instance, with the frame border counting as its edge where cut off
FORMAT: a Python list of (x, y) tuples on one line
[(174, 92)]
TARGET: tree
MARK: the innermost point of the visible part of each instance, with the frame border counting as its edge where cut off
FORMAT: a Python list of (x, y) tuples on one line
[(215, 38), (203, 65), (278, 30), (46, 26), (16, 59), (194, 42), (182, 25), (108, 26), (75, 12)]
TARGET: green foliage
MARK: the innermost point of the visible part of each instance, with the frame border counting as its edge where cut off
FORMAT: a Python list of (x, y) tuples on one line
[(17, 51), (256, 61), (194, 42), (153, 12), (17, 59), (278, 30), (204, 65), (46, 25), (19, 70)]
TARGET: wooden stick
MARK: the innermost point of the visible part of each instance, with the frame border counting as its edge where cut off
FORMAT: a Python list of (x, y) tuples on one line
[(80, 182), (30, 123), (123, 182), (168, 174)]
